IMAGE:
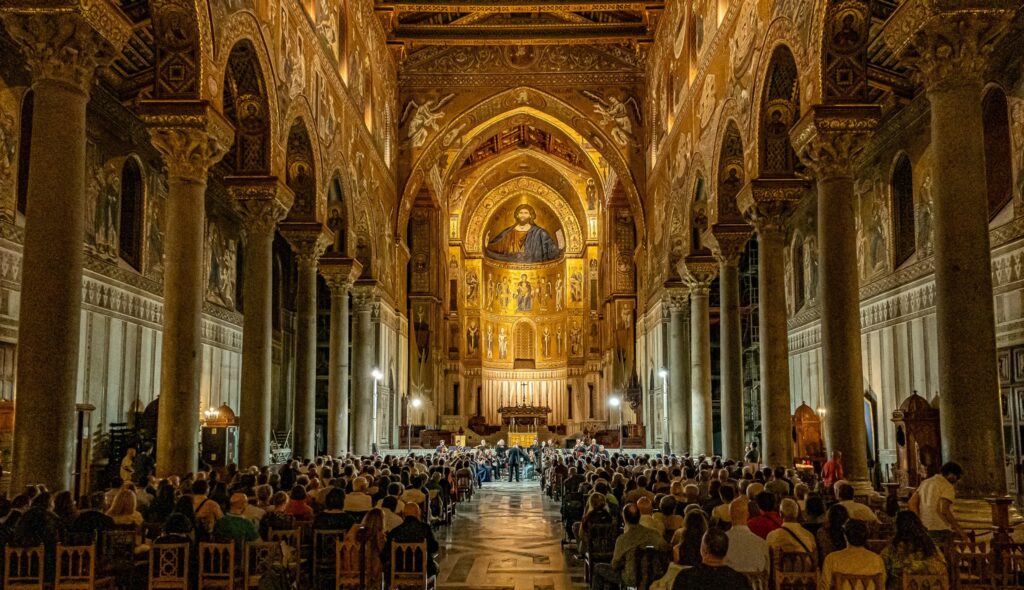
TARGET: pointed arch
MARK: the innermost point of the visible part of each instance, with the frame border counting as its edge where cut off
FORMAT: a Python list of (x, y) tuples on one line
[(300, 173), (507, 103), (779, 110), (246, 106), (901, 187)]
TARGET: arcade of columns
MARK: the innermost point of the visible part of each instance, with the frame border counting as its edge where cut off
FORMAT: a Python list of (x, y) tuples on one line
[(948, 49)]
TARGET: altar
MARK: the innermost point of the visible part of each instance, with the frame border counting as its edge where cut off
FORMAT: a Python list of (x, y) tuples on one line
[(524, 422)]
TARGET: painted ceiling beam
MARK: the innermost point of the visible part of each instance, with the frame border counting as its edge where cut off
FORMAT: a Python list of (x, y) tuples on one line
[(521, 35), (520, 6)]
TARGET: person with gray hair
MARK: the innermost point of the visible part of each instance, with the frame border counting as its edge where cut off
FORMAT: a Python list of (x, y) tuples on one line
[(791, 537)]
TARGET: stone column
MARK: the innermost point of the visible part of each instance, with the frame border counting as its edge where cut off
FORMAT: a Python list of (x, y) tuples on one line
[(827, 139), (191, 137), (261, 202), (364, 348), (62, 50), (950, 48), (308, 240), (768, 203), (340, 273), (678, 370), (699, 275), (727, 241)]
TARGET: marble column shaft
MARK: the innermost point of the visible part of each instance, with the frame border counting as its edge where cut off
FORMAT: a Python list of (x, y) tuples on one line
[(364, 297), (701, 418), (777, 444), (828, 141), (62, 52), (340, 274), (191, 137), (262, 203), (308, 241), (952, 52), (679, 372), (731, 365)]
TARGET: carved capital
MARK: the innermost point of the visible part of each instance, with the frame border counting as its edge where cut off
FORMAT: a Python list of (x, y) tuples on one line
[(308, 239), (66, 41), (340, 273), (698, 272), (191, 136), (677, 299), (365, 296), (948, 42), (261, 201), (828, 137), (768, 202), (727, 241)]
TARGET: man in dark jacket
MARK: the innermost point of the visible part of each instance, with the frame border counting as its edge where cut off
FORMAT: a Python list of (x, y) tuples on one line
[(516, 458), (413, 530)]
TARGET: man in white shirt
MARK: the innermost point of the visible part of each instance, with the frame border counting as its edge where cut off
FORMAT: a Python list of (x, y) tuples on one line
[(933, 502), (748, 553), (359, 500), (791, 537), (856, 510), (855, 559)]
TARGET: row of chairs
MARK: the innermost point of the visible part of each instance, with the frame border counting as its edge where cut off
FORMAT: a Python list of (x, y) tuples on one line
[(169, 566)]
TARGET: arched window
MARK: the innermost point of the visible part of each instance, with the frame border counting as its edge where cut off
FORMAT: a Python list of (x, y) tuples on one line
[(239, 276), (998, 166), (275, 295), (336, 221), (132, 194), (902, 185), (24, 147)]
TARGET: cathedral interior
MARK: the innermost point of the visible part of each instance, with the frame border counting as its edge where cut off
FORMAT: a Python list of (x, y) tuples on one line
[(346, 226)]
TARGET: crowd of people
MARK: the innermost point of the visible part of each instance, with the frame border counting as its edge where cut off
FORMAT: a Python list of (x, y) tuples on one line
[(380, 499), (716, 522), (719, 523)]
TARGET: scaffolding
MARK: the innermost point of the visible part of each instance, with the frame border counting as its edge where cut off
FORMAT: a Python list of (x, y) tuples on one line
[(749, 297)]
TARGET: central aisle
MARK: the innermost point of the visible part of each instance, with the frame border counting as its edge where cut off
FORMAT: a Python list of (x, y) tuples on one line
[(507, 537)]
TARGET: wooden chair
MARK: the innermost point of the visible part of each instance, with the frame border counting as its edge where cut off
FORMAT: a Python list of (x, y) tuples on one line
[(464, 485), (259, 557), (117, 555), (76, 569), (1009, 566), (600, 547), (24, 568), (971, 563), (217, 566), (651, 565), (857, 582), (292, 538), (168, 566), (349, 573), (324, 554), (925, 582), (795, 570), (758, 581), (410, 566)]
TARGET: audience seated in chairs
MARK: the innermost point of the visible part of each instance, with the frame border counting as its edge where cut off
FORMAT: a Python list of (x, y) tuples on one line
[(854, 559), (712, 573), (622, 570), (234, 526), (911, 551), (414, 530), (333, 517)]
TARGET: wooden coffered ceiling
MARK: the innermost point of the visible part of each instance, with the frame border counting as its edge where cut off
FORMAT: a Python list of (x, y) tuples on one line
[(418, 23)]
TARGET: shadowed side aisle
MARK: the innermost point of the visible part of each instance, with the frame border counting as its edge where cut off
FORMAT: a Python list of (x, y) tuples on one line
[(507, 537)]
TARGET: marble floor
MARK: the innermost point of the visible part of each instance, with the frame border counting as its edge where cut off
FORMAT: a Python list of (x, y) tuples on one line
[(508, 537)]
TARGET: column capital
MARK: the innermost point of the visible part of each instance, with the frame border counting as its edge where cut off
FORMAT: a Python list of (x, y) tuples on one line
[(190, 135), (339, 272), (261, 201), (308, 239), (948, 42), (828, 137), (727, 241), (66, 40), (698, 273), (365, 294), (770, 197), (677, 298)]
